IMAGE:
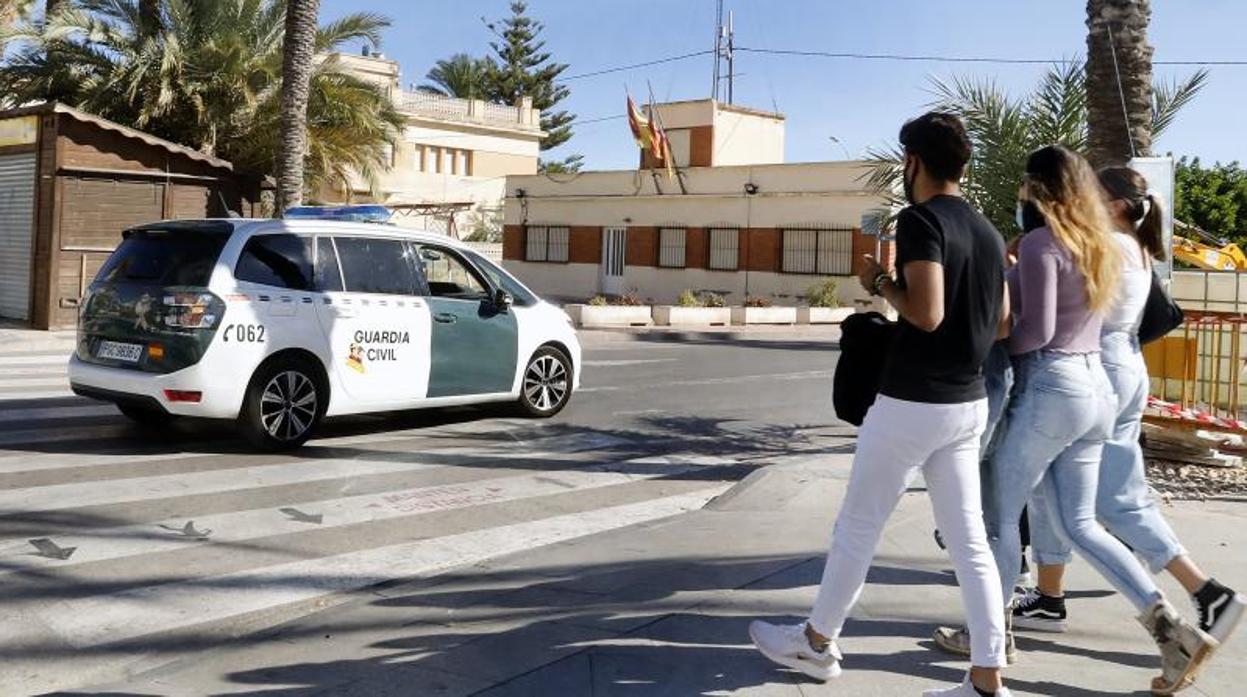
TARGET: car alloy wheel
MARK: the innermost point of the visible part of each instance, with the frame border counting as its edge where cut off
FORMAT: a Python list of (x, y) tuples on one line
[(545, 383), (288, 405)]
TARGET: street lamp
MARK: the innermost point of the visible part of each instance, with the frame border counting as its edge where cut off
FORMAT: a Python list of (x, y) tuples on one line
[(837, 141)]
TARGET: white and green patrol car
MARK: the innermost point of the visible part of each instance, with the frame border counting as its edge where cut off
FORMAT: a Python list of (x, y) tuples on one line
[(278, 323)]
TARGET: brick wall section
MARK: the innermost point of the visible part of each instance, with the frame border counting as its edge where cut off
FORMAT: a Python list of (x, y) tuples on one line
[(697, 248), (642, 246), (701, 146), (864, 244), (585, 245), (760, 249), (512, 243)]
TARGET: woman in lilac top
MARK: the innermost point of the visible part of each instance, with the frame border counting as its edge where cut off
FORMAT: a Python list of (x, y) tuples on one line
[(1064, 406)]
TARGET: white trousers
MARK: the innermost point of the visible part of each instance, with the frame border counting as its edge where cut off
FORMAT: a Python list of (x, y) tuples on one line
[(898, 439)]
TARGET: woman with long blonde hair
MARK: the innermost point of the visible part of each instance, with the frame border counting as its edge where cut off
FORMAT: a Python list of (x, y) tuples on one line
[(1063, 406)]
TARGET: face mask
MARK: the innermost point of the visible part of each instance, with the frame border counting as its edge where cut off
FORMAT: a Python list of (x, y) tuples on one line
[(1028, 216), (908, 183)]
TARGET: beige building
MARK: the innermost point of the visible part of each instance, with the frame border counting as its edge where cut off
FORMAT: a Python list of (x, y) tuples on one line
[(737, 220), (452, 152)]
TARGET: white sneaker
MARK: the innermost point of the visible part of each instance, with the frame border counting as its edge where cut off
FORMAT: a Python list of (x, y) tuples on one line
[(965, 689), (788, 646)]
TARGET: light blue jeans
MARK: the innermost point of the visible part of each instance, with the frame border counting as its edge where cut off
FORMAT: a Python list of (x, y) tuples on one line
[(1061, 413), (998, 376), (1123, 503)]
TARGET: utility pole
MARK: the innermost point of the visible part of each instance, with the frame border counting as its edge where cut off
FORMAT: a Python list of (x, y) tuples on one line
[(724, 50), (731, 54), (718, 51)]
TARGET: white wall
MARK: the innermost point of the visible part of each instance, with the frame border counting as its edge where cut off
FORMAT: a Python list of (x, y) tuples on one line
[(467, 138), (744, 138), (576, 282)]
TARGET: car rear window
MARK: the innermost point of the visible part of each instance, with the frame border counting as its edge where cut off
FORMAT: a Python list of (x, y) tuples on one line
[(281, 261), (179, 257)]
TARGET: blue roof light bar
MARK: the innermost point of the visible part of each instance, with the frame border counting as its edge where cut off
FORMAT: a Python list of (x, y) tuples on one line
[(366, 213)]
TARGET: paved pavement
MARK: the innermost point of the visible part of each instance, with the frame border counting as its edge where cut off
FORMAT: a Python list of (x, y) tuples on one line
[(610, 551), (661, 608), (122, 549)]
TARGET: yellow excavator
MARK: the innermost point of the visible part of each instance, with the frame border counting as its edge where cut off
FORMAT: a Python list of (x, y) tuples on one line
[(1210, 253)]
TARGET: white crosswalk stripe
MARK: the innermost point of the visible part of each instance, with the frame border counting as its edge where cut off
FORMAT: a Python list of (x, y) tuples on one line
[(34, 375), (283, 534)]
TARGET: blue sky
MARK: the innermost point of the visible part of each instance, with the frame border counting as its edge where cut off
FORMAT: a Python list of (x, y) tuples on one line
[(859, 102)]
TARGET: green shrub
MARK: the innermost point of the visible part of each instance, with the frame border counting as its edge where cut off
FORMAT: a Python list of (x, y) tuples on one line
[(822, 294), (709, 299), (598, 301), (630, 299), (688, 299)]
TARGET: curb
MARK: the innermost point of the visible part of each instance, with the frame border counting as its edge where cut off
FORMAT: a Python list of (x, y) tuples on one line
[(609, 335)]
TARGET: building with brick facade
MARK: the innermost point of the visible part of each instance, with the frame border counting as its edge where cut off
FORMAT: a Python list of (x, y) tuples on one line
[(736, 221)]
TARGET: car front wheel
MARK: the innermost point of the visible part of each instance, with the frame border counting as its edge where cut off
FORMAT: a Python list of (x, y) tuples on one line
[(284, 403), (547, 383)]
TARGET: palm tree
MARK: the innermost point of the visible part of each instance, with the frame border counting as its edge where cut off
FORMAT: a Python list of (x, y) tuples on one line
[(460, 76), (298, 56), (207, 76), (1119, 80), (1005, 129)]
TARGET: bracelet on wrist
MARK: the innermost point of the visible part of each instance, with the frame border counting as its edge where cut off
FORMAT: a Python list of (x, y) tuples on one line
[(876, 287)]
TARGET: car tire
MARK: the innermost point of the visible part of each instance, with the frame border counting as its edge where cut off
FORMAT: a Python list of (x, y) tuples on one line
[(546, 384), (146, 416), (284, 403)]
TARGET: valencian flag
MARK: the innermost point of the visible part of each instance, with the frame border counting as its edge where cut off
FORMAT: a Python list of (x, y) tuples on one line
[(649, 135)]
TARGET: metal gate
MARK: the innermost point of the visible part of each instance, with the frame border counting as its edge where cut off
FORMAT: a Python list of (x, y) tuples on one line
[(17, 205), (614, 247)]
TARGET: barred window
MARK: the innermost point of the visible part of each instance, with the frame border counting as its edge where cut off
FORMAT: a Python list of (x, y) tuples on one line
[(547, 244), (671, 247), (724, 249), (827, 252)]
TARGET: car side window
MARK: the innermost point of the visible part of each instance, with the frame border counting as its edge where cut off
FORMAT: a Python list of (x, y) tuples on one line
[(328, 276), (281, 261), (372, 265), (449, 277), (501, 279)]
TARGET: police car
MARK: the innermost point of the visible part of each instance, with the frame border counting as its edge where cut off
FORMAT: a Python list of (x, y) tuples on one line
[(279, 323)]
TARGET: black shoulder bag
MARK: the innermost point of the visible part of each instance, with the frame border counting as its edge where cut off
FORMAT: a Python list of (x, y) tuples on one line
[(1161, 314)]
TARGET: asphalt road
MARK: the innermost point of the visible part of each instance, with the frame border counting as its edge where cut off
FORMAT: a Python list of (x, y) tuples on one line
[(121, 548)]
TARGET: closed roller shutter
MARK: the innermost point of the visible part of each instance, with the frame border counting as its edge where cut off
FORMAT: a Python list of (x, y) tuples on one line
[(17, 206)]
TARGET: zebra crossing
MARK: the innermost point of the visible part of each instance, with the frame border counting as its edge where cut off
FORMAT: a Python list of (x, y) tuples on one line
[(114, 541)]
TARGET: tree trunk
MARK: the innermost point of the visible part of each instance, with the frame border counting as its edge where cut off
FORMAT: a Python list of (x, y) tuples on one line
[(296, 71), (1118, 116), (149, 17)]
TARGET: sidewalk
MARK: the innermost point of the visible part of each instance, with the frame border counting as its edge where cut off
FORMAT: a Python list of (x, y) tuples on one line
[(796, 332), (18, 338), (662, 609)]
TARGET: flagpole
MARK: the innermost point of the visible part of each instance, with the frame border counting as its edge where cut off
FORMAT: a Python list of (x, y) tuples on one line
[(655, 115)]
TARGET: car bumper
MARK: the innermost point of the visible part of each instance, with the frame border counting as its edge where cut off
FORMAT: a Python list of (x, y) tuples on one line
[(124, 386)]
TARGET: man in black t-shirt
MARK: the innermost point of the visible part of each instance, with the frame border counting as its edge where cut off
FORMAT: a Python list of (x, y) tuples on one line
[(931, 411)]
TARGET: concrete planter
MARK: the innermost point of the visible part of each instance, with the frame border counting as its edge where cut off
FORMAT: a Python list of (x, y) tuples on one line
[(764, 315), (822, 315), (610, 315), (675, 316)]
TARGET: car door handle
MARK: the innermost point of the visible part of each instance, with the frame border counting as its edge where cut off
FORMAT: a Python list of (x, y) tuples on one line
[(445, 318)]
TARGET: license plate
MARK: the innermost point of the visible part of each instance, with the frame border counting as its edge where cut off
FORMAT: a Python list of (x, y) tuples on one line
[(118, 351)]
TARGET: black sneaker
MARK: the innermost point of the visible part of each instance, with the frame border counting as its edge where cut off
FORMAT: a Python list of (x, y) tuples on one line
[(1220, 609), (1041, 613)]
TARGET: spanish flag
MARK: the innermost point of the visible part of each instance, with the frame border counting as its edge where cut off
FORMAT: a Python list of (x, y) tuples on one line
[(641, 129)]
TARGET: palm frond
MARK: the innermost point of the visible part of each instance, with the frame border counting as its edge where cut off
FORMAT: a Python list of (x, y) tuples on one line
[(361, 25), (1170, 97)]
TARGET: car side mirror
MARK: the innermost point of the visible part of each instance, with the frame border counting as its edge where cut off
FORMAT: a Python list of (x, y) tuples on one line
[(503, 300)]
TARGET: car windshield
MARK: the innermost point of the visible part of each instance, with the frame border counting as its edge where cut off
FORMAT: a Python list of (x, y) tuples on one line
[(181, 257)]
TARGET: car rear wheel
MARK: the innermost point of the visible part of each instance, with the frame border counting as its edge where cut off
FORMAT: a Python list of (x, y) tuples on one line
[(284, 403), (547, 383), (146, 416)]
